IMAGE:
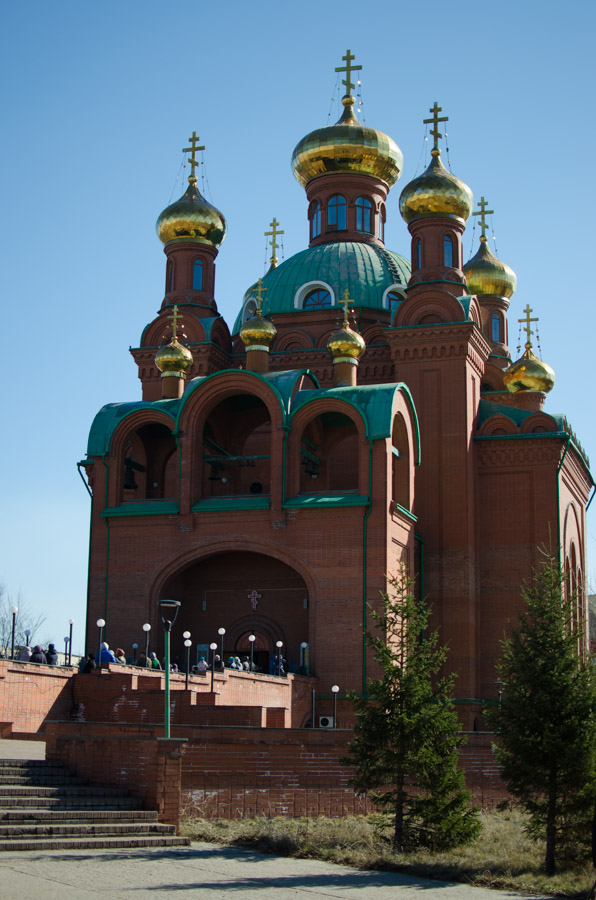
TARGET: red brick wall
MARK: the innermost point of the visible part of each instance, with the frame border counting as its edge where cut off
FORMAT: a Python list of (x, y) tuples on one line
[(29, 693)]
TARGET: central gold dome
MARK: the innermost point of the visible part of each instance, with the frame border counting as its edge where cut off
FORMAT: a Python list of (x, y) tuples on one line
[(191, 218), (347, 146), (436, 193)]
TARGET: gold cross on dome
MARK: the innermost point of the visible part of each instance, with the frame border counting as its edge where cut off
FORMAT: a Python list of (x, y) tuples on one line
[(274, 245), (176, 318), (345, 302), (527, 327), (193, 149), (436, 118), (259, 298), (483, 212), (348, 69)]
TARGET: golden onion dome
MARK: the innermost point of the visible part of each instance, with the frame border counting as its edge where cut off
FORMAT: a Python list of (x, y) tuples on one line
[(485, 274), (258, 332), (529, 374), (436, 193), (173, 357), (191, 218), (347, 146), (346, 344)]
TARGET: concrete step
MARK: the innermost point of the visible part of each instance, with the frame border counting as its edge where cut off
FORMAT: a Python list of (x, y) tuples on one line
[(64, 790), (94, 843), (76, 816), (31, 764), (42, 780), (84, 829), (92, 802)]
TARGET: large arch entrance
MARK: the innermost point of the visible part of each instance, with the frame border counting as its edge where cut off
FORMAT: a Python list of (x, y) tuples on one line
[(245, 593)]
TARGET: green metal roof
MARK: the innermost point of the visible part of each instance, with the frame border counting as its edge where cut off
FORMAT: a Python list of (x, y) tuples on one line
[(110, 416), (366, 270), (487, 409)]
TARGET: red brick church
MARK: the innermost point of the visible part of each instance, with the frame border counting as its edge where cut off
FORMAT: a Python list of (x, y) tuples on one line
[(363, 410)]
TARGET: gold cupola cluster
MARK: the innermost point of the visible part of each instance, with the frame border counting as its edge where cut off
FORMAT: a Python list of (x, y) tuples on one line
[(529, 373), (485, 274), (192, 218), (348, 146), (436, 192)]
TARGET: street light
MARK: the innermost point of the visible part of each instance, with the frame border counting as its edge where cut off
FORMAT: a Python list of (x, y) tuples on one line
[(100, 624), (304, 658), (66, 640), (146, 629), (221, 632), (188, 645), (135, 647), (252, 640), (168, 610), (70, 624), (279, 645), (213, 648), (14, 610), (335, 690)]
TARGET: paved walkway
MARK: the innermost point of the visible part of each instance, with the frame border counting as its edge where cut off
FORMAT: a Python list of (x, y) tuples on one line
[(208, 872)]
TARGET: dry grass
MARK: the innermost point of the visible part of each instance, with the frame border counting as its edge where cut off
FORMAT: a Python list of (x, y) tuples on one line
[(502, 857)]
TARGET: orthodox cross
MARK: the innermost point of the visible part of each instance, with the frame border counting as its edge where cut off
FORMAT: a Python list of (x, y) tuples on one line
[(348, 69), (526, 327), (345, 303), (274, 245), (436, 118), (260, 291), (193, 149), (483, 212), (175, 317), (254, 598)]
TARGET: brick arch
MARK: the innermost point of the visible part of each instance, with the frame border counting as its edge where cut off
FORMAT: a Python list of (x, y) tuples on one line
[(493, 376), (125, 430), (538, 422), (201, 397), (446, 307), (192, 328), (499, 424), (294, 340)]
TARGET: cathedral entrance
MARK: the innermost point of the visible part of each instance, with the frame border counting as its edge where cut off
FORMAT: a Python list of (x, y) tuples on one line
[(241, 594)]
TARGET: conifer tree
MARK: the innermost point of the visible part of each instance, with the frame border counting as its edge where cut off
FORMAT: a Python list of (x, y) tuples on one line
[(547, 719), (407, 736)]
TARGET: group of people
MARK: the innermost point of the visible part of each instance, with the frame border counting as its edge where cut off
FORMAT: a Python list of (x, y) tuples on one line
[(91, 661), (39, 655)]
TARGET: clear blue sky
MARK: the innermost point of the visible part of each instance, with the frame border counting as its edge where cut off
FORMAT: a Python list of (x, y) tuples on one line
[(99, 99)]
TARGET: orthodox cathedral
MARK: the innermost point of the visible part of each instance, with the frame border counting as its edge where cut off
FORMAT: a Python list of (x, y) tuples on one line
[(362, 412)]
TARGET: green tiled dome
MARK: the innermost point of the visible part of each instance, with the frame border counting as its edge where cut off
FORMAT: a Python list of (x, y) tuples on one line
[(364, 269)]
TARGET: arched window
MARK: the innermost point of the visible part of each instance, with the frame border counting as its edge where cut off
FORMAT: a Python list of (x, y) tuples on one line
[(364, 215), (169, 276), (197, 275), (250, 308), (315, 220), (336, 213), (418, 253), (393, 300), (448, 251), (382, 217), (495, 327), (317, 299)]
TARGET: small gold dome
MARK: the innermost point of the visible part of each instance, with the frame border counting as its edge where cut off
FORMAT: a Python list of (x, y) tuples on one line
[(346, 344), (258, 332), (436, 193), (485, 274), (191, 218), (529, 374), (347, 146), (173, 357)]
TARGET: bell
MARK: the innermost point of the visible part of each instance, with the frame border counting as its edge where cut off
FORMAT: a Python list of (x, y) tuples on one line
[(214, 474), (129, 479)]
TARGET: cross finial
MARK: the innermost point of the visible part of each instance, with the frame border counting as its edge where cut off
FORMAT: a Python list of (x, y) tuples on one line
[(175, 317), (345, 302), (274, 245), (348, 69), (436, 118), (483, 212), (259, 299), (193, 149), (527, 327)]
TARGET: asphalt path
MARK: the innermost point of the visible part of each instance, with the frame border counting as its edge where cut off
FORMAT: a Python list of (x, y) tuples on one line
[(210, 871)]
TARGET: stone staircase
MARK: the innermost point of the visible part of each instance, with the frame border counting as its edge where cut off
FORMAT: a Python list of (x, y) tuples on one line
[(44, 807)]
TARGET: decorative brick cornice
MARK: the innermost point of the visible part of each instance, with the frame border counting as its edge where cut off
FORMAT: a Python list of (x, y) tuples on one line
[(503, 453), (450, 340)]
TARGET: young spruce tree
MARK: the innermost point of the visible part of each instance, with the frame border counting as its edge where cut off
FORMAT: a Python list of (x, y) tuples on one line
[(407, 736), (547, 719)]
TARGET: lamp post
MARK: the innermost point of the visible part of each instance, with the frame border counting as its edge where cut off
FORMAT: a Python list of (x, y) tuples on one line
[(70, 624), (188, 645), (252, 640), (146, 629), (213, 648), (135, 647), (27, 636), (279, 645), (66, 640), (100, 624), (168, 610), (221, 632), (14, 610), (335, 690), (304, 657)]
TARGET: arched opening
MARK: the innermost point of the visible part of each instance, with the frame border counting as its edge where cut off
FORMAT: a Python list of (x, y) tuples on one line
[(317, 299), (336, 213), (150, 470), (364, 215), (245, 593), (382, 220), (495, 328), (400, 463), (197, 275), (329, 450), (448, 251), (170, 276), (236, 444), (418, 253), (315, 219)]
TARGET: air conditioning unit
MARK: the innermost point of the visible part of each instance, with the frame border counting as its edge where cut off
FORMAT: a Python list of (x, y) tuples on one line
[(326, 722)]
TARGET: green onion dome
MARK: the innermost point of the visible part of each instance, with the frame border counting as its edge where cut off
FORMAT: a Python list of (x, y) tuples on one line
[(436, 193), (191, 218), (485, 274)]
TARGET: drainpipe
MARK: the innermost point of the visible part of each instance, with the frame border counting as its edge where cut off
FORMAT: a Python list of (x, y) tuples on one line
[(559, 467), (420, 539), (105, 506), (364, 569), (89, 553), (177, 442)]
